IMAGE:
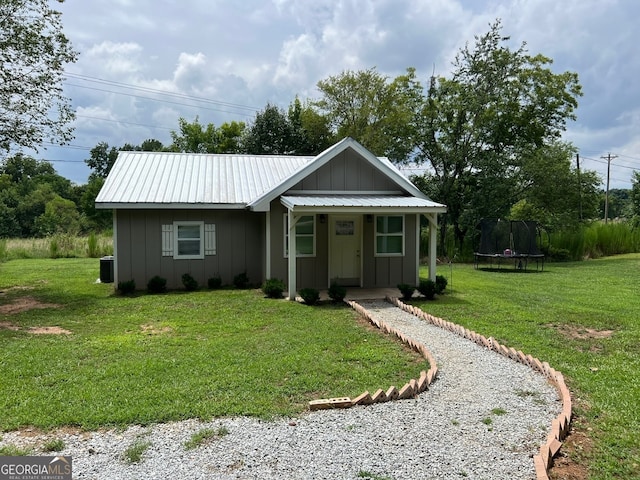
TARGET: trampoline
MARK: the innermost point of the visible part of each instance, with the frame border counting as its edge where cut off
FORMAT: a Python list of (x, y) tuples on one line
[(509, 240)]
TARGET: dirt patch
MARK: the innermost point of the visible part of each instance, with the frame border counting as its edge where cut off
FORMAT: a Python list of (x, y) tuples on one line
[(24, 304), (576, 332), (35, 330), (48, 331), (150, 329), (8, 326), (570, 464)]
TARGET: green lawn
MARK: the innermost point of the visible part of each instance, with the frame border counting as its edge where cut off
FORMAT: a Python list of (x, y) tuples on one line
[(155, 358), (562, 316)]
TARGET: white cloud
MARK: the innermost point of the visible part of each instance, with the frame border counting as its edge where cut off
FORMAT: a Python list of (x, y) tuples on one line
[(114, 59), (253, 52)]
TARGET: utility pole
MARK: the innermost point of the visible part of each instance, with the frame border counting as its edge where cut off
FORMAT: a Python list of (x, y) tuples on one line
[(579, 184), (608, 158)]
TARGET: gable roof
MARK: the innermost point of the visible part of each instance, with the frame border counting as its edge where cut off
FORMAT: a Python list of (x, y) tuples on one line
[(163, 180), (384, 165)]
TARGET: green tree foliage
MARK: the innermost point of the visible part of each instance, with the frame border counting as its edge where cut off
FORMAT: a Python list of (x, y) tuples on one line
[(197, 138), (299, 131), (552, 191), (102, 156), (620, 204), (368, 107), (33, 53), (35, 200), (635, 197), (499, 107), (271, 133), (311, 131), (101, 159), (96, 219), (60, 216)]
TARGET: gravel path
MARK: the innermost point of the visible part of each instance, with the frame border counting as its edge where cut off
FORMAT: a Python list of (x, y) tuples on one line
[(483, 418)]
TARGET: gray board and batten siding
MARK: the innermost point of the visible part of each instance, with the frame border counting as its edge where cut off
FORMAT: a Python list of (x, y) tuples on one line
[(242, 203)]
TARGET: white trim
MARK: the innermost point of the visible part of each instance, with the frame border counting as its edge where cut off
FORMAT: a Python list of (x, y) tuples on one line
[(376, 235), (342, 192), (297, 218), (418, 238), (292, 260), (176, 240), (433, 245), (170, 206)]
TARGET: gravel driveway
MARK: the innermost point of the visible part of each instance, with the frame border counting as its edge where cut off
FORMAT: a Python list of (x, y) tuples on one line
[(483, 418)]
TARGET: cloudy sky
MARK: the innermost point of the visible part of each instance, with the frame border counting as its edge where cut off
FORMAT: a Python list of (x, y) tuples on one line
[(145, 63)]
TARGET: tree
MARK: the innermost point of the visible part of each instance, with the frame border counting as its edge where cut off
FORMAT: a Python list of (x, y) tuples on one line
[(197, 138), (552, 191), (635, 196), (271, 133), (33, 52), (499, 107), (377, 112), (102, 157), (311, 132), (60, 216)]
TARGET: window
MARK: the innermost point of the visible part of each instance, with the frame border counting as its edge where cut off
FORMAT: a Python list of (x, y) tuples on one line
[(188, 240), (389, 235), (305, 236)]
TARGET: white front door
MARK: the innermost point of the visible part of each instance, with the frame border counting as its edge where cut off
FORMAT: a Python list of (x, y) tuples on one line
[(345, 243)]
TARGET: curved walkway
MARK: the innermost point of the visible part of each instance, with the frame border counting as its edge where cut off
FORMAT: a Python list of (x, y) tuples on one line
[(484, 417)]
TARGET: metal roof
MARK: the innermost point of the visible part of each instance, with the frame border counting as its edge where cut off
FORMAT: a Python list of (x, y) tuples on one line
[(157, 180), (328, 203), (162, 180)]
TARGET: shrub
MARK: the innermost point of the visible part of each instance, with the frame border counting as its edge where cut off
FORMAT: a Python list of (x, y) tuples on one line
[(427, 288), (273, 287), (92, 246), (241, 280), (441, 284), (214, 282), (54, 248), (406, 290), (157, 285), (190, 283), (336, 292), (310, 296), (127, 287)]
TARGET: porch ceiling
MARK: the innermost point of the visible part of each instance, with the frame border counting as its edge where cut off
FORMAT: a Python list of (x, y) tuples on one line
[(360, 203)]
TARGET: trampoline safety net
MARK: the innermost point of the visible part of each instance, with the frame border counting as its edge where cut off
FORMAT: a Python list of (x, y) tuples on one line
[(517, 239)]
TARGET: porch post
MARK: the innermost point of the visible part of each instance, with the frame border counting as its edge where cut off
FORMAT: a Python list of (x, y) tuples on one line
[(418, 238), (433, 244), (292, 256)]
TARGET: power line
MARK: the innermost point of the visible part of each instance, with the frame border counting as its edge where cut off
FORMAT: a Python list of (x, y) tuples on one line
[(161, 92), (124, 123), (154, 99)]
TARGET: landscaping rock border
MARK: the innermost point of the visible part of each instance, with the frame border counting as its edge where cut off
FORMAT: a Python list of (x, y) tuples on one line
[(560, 426)]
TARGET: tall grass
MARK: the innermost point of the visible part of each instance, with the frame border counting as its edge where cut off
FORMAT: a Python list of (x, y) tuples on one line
[(597, 240), (56, 246)]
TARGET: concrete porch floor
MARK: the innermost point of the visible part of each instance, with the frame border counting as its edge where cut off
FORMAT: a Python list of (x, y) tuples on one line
[(356, 293)]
